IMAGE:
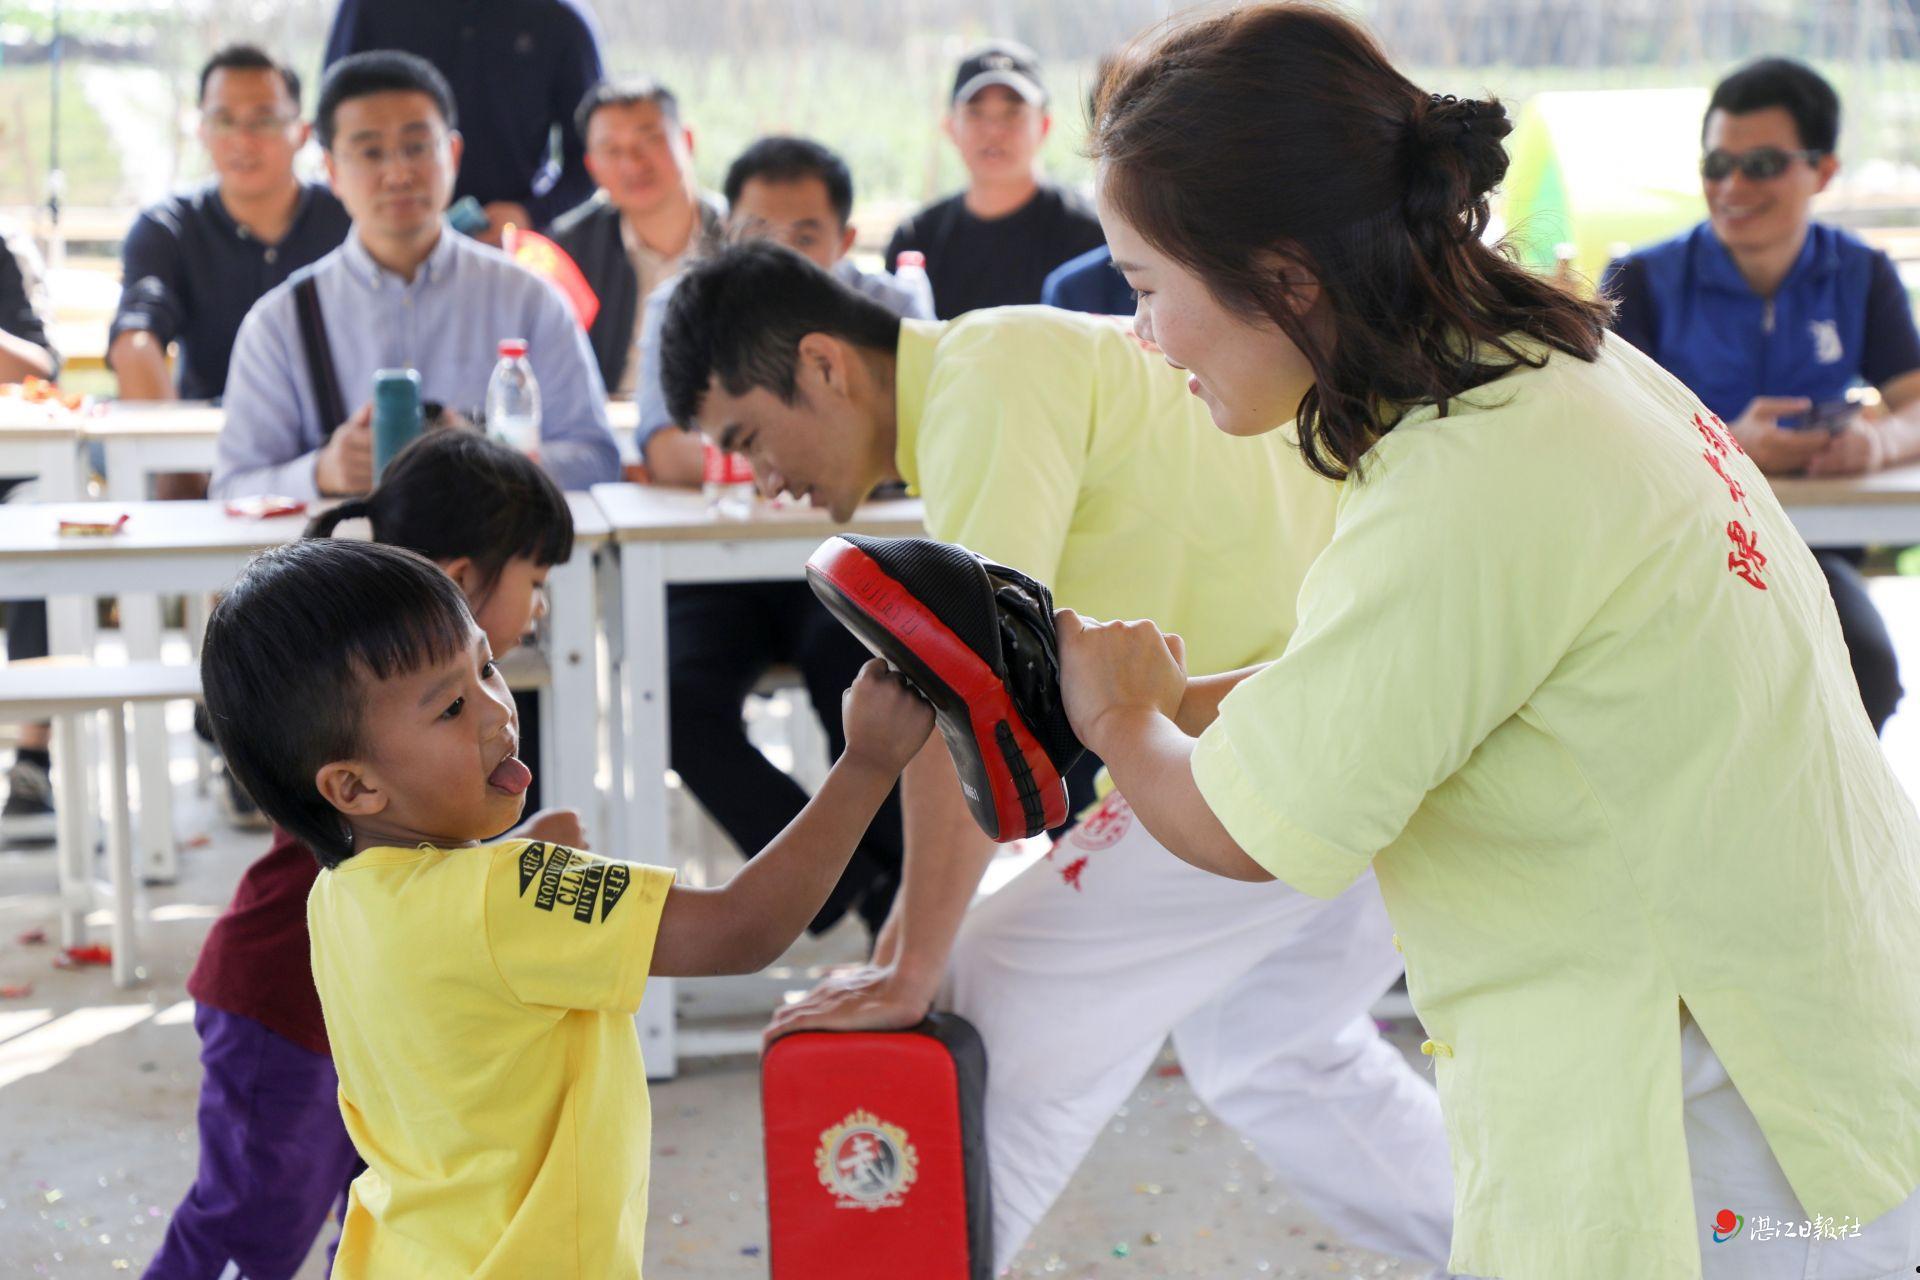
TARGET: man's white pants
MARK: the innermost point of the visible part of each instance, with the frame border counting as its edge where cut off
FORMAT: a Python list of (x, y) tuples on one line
[(1734, 1170), (1077, 971)]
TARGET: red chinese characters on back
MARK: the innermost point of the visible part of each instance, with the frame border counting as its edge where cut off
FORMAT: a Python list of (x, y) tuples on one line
[(1745, 561)]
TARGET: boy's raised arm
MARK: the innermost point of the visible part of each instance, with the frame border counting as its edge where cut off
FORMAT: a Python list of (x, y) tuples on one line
[(745, 924)]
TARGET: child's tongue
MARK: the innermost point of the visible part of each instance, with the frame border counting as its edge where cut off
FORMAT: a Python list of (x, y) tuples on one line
[(510, 776)]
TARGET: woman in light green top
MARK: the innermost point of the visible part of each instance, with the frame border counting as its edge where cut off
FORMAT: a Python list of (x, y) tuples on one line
[(1565, 676)]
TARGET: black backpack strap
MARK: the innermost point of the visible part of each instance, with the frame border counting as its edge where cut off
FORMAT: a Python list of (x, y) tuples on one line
[(313, 337)]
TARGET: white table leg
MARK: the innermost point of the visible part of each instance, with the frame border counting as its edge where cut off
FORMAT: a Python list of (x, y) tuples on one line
[(195, 618), (644, 678), (126, 963), (62, 472), (140, 628), (73, 850), (607, 572), (569, 725), (70, 631)]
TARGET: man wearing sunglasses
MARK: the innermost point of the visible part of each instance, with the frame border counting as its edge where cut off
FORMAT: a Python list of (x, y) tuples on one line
[(1772, 318)]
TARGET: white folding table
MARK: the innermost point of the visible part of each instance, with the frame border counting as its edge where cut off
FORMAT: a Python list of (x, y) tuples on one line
[(667, 536), (1852, 511), (195, 548)]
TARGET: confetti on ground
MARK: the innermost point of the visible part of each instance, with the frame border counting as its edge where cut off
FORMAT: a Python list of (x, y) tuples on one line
[(749, 1250), (1172, 1072), (200, 841), (1121, 1250), (84, 957), (33, 938), (16, 991)]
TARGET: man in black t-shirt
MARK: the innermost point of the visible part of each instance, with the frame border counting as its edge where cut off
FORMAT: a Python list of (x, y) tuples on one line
[(993, 244)]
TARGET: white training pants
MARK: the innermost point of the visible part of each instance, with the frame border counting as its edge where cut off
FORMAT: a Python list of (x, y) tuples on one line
[(1733, 1169), (1077, 971)]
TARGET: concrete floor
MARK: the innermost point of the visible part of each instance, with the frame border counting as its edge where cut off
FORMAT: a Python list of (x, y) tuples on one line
[(97, 1137), (97, 1094)]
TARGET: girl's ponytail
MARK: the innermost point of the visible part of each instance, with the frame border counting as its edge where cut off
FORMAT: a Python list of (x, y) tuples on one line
[(323, 525)]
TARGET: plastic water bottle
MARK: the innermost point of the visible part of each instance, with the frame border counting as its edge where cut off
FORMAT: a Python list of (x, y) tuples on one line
[(727, 483), (910, 270), (513, 399), (397, 415)]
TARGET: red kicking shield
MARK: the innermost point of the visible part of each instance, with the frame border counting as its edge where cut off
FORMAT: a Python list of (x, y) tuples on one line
[(977, 640), (876, 1154)]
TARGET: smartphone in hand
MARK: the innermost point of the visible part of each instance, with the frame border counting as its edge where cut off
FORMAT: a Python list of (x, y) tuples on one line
[(1830, 416)]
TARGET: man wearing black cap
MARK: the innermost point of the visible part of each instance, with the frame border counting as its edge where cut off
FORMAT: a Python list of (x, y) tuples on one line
[(993, 244)]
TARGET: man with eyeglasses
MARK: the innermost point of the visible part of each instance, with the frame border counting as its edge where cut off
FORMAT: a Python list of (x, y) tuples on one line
[(993, 244), (194, 263), (1773, 319), (403, 291)]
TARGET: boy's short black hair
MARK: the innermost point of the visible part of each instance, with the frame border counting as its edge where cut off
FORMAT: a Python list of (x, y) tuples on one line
[(1783, 82), (785, 159), (288, 649), (741, 314), (248, 57), (625, 93), (379, 71)]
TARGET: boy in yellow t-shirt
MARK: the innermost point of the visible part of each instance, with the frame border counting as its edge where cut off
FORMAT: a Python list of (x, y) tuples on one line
[(479, 992)]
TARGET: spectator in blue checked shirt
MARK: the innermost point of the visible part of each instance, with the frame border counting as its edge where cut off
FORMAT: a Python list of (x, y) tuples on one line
[(404, 291)]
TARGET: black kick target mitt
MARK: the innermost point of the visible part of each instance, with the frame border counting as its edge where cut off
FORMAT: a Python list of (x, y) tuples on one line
[(976, 639)]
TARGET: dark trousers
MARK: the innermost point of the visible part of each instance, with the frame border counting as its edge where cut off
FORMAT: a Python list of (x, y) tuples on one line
[(26, 629), (274, 1156), (1876, 669), (720, 640), (26, 619)]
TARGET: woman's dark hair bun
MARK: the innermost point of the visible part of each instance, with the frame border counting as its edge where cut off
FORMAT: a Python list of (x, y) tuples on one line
[(1456, 155)]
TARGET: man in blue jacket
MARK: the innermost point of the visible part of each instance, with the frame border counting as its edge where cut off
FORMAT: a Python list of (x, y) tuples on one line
[(1772, 318)]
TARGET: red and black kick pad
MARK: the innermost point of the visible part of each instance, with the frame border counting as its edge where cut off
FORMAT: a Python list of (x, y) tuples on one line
[(977, 640), (876, 1154)]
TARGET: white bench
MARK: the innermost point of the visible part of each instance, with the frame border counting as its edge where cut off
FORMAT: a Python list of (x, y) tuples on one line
[(64, 689)]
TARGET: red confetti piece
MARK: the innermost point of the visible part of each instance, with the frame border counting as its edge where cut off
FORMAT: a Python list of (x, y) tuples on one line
[(84, 957)]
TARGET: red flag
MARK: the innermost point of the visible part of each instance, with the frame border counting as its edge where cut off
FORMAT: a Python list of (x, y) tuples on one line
[(550, 262)]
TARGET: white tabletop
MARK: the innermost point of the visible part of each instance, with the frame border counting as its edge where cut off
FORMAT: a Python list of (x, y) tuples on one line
[(172, 419), (25, 432), (1882, 488), (653, 513), (589, 522), (31, 531), (160, 419), (60, 686), (1883, 507)]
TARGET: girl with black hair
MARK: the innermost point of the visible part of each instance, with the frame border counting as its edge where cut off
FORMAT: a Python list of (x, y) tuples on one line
[(1565, 678), (274, 1153)]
